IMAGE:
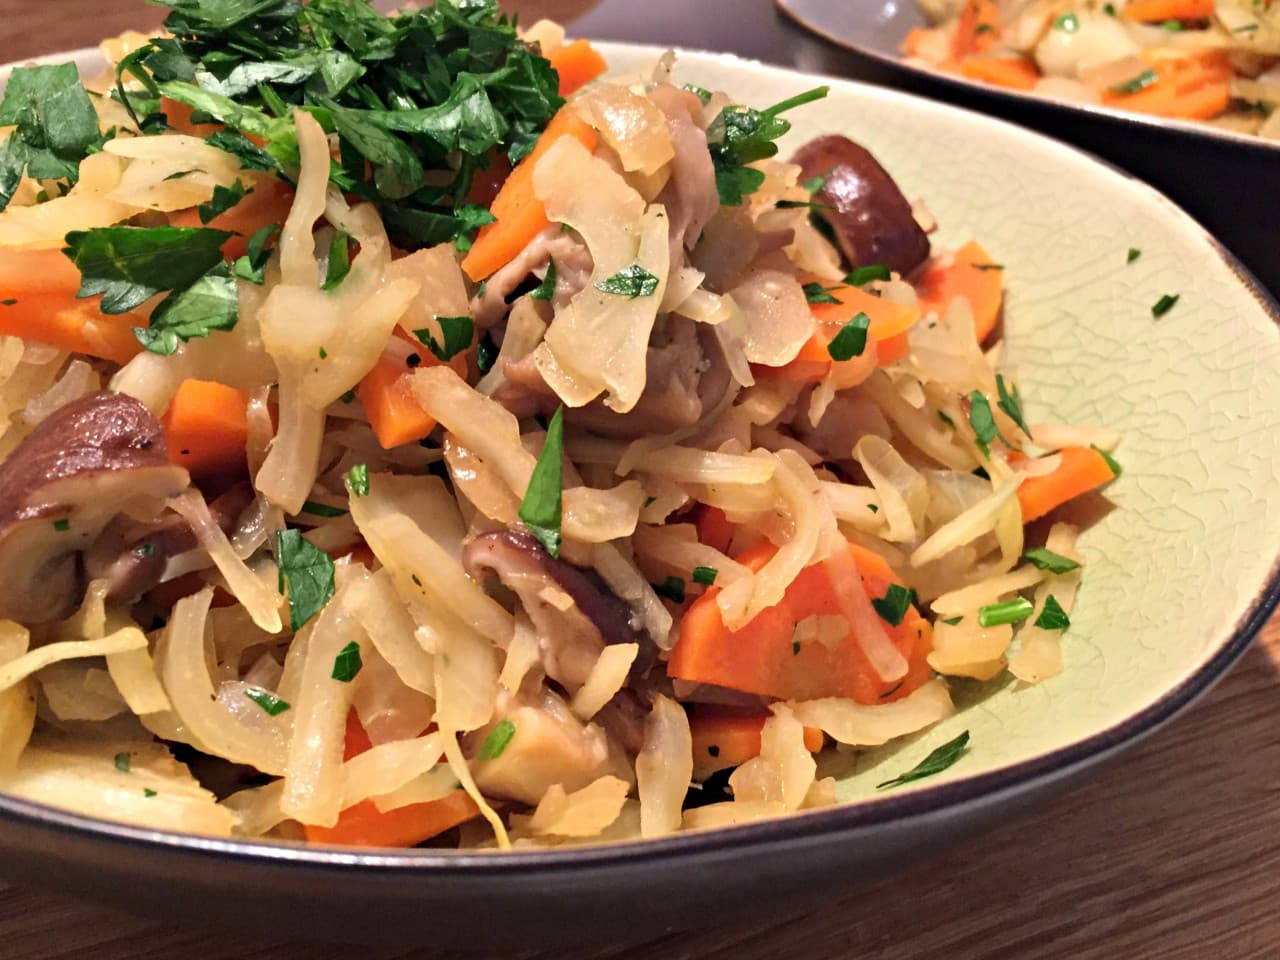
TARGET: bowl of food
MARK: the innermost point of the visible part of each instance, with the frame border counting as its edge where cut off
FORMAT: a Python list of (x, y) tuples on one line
[(445, 480), (1183, 96)]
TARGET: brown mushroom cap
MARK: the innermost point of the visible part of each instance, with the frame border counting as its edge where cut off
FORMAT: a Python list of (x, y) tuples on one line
[(92, 460), (871, 218)]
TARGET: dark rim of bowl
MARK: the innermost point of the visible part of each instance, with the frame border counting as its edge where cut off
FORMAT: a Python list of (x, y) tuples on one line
[(959, 85), (740, 839)]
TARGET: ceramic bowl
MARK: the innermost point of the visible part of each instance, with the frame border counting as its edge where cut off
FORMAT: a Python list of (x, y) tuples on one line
[(1180, 572), (1225, 179)]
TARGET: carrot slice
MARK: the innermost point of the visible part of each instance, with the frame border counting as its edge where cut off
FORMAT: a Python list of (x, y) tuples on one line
[(178, 116), (889, 321), (268, 203), (1015, 73), (1082, 469), (389, 404), (724, 737), (80, 326), (976, 30), (714, 528), (364, 825), (972, 274), (37, 271), (577, 64), (206, 428), (519, 214), (1191, 87), (763, 657), (1157, 11)]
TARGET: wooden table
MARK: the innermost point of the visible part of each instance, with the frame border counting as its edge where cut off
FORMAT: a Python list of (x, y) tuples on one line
[(1171, 852)]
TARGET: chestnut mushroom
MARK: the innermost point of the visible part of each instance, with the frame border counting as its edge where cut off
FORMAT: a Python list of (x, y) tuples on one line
[(871, 218), (93, 460)]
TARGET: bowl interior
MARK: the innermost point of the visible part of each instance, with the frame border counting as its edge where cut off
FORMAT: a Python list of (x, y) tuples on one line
[(1185, 542)]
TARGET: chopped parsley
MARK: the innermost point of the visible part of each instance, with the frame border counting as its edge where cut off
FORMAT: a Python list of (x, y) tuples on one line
[(1008, 611), (224, 198), (893, 606), (252, 266), (457, 332), (271, 705), (305, 575), (1139, 83), (1044, 559), (740, 136), (861, 276), (339, 264), (322, 509), (630, 282), (1133, 254), (347, 664), (1011, 404), (936, 762), (982, 421), (149, 793), (851, 340), (486, 354), (497, 741), (130, 265), (705, 575), (672, 588), (358, 480), (541, 508), (817, 293), (952, 621), (874, 508), (1114, 464), (122, 761), (1067, 23), (1052, 617), (547, 288), (62, 526), (1165, 304)]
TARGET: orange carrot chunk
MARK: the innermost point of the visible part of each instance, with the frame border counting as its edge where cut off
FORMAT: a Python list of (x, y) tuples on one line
[(1191, 87), (206, 428), (577, 64), (972, 274), (364, 825), (519, 215), (725, 737), (1158, 11), (763, 656), (1015, 73), (59, 319), (389, 404), (976, 30), (269, 202), (1082, 469)]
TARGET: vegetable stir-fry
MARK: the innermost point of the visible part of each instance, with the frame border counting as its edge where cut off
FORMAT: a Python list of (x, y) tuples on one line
[(412, 434)]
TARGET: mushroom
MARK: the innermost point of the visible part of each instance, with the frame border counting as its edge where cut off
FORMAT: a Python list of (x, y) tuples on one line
[(573, 610), (871, 218), (92, 460)]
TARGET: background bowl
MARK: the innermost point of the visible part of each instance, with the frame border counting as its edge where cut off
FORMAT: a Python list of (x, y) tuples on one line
[(1229, 181), (1178, 577)]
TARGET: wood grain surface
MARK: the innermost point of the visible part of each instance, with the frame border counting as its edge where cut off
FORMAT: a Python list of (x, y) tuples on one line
[(1170, 852)]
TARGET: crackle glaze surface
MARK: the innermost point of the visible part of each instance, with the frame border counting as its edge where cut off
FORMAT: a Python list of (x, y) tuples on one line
[(1187, 537)]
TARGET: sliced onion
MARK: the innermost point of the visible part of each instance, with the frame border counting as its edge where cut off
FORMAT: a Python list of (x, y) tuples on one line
[(664, 767), (857, 725), (584, 813)]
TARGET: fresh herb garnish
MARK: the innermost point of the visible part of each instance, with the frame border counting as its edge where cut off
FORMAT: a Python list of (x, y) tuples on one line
[(224, 198), (1114, 464), (982, 421), (817, 293), (55, 127), (1165, 304), (952, 621), (358, 480), (630, 282), (322, 509), (208, 304), (705, 575), (129, 265), (1011, 403), (1173, 26), (541, 507), (741, 135), (1134, 254), (936, 762), (271, 705), (874, 508), (457, 332), (347, 664), (1052, 617), (702, 93), (945, 418), (1009, 611), (547, 288), (1067, 23), (497, 740), (339, 260), (861, 276), (252, 266), (122, 762), (486, 354), (987, 266), (305, 575), (1044, 559), (672, 588), (851, 340), (62, 526), (1143, 80), (149, 793), (893, 606)]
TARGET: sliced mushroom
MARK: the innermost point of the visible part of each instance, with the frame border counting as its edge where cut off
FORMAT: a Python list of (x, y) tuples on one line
[(97, 458), (573, 610), (871, 218)]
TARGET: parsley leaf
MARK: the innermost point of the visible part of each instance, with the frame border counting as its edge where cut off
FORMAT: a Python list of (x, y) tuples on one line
[(982, 421), (497, 740), (705, 575), (322, 509), (208, 304), (1165, 304), (861, 276), (122, 762), (851, 340), (486, 354), (893, 606), (1011, 403), (252, 266), (1044, 559), (56, 126), (224, 198), (542, 504), (129, 265), (339, 260), (306, 575), (672, 588), (547, 288), (1052, 617), (817, 293), (271, 705), (458, 333), (741, 135), (630, 282), (358, 480), (1143, 80), (937, 761), (347, 664), (1114, 464), (1134, 254)]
